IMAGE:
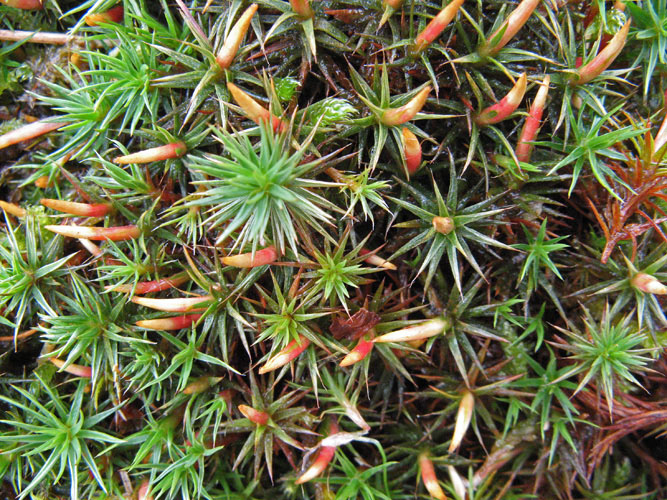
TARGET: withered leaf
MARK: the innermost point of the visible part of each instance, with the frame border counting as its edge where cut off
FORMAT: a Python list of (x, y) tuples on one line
[(354, 326)]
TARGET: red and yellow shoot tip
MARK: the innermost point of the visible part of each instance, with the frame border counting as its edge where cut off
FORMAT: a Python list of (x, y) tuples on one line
[(436, 26), (253, 110), (505, 107), (255, 416), (429, 478), (175, 323), (398, 116), (150, 286), (531, 127), (79, 209), (412, 151), (167, 152), (289, 353), (113, 15), (117, 233), (508, 29), (28, 132), (261, 257), (173, 305), (604, 59), (648, 284), (424, 330), (233, 41)]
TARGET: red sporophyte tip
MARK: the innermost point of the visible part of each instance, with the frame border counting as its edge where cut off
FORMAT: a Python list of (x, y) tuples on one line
[(166, 152), (233, 41), (261, 257), (175, 323), (173, 305), (30, 131), (429, 478), (80, 209), (412, 151), (253, 110), (604, 58), (78, 370), (524, 147), (360, 351), (436, 26), (118, 233), (398, 116), (290, 352), (508, 28), (113, 15), (255, 416), (505, 107), (150, 286)]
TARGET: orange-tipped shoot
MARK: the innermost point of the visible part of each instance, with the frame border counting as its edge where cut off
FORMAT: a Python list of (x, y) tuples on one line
[(661, 136), (201, 384), (324, 456), (233, 41), (23, 4), (531, 127), (253, 110), (13, 209), (78, 370), (412, 151), (74, 208), (505, 107), (376, 260), (422, 331), (173, 305), (255, 416), (118, 233), (359, 353), (290, 352), (113, 15), (261, 257), (144, 491), (302, 8), (604, 59), (429, 478), (508, 29), (436, 26), (463, 417), (398, 116), (27, 132), (175, 323), (167, 152), (648, 284), (150, 286)]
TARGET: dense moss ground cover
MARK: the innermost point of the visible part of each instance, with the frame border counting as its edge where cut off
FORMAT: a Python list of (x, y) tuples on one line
[(333, 249)]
